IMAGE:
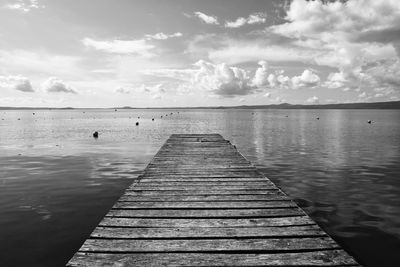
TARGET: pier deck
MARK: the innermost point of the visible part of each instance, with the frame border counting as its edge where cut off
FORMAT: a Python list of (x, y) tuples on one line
[(201, 203)]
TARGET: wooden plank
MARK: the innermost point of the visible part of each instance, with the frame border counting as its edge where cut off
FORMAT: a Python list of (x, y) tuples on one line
[(200, 187), (203, 198), (205, 232), (315, 258), (184, 192), (206, 213), (212, 245), (182, 223), (202, 205)]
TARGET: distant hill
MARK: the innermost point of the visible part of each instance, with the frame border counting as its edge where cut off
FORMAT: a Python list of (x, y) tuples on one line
[(374, 105)]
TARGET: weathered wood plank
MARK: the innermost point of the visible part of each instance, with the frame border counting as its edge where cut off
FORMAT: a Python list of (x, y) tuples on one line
[(194, 222), (205, 184), (205, 213), (184, 192), (200, 187), (202, 198), (204, 232), (314, 258), (213, 245), (202, 205)]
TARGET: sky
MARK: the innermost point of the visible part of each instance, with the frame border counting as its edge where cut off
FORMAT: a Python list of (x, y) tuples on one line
[(107, 53)]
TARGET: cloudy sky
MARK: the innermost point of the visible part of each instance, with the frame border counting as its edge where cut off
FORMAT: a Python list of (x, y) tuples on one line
[(105, 53)]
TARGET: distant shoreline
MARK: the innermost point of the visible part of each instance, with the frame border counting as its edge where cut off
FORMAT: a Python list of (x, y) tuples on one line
[(373, 105)]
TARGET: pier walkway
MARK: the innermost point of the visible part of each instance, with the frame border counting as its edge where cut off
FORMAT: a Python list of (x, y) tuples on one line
[(201, 203)]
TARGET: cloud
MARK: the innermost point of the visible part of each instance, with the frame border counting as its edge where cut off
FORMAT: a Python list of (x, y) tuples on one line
[(255, 18), (54, 85), (138, 47), (234, 52), (39, 62), (356, 37), (335, 80), (162, 36), (330, 21), (261, 76), (18, 83), (313, 100), (23, 5), (278, 80), (307, 79), (206, 18), (220, 79), (122, 90)]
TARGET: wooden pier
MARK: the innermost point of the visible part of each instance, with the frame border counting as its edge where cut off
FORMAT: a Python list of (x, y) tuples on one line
[(201, 203)]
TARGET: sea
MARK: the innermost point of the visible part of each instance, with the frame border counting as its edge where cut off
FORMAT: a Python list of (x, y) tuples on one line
[(57, 181)]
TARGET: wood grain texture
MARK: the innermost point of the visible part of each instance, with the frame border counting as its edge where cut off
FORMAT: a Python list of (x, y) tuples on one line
[(314, 258), (199, 202)]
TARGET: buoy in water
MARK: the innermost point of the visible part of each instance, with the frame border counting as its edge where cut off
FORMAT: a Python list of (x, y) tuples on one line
[(137, 123), (317, 118), (369, 121), (152, 119), (95, 134)]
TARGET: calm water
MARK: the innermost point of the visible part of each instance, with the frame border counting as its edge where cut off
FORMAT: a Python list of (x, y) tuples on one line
[(57, 182)]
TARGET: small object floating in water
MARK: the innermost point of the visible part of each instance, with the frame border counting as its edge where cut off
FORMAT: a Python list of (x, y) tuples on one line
[(287, 116), (152, 119), (138, 117), (33, 113), (317, 118), (137, 123), (161, 116), (95, 134), (369, 121), (115, 109), (19, 119)]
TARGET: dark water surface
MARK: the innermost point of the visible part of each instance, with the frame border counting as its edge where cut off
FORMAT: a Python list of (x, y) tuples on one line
[(57, 182)]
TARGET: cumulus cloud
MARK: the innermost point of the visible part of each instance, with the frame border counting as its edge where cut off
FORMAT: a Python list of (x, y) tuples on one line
[(278, 80), (55, 85), (23, 5), (220, 79), (18, 83), (261, 75), (162, 36), (138, 47), (307, 79), (313, 100), (206, 18), (335, 80), (229, 81), (255, 18), (352, 36)]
